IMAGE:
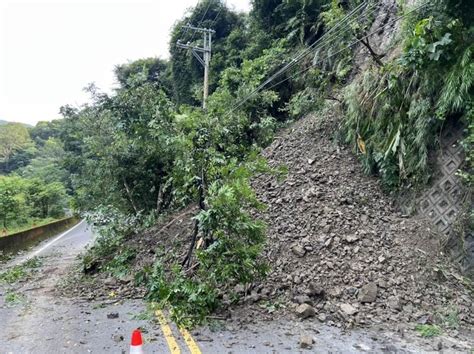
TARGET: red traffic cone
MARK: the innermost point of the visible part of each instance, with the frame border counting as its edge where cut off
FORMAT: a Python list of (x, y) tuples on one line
[(136, 346)]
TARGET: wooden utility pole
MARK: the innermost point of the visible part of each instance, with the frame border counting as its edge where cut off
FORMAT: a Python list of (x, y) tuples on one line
[(205, 59)]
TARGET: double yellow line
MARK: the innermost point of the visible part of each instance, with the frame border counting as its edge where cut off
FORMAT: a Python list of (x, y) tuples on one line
[(171, 340)]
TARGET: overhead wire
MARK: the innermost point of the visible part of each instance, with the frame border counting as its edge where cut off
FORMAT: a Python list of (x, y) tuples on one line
[(314, 64), (202, 18), (350, 45), (216, 17), (332, 34)]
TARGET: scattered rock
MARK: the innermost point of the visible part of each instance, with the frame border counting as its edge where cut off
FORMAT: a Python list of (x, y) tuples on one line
[(304, 311), (110, 281), (348, 310), (303, 299), (117, 338), (112, 315), (368, 293), (239, 289), (362, 347), (394, 303), (314, 290), (352, 238), (298, 250), (306, 341)]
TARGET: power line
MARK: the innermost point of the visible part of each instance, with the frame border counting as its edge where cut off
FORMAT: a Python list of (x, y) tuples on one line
[(215, 18), (306, 69), (202, 18), (349, 45), (323, 40)]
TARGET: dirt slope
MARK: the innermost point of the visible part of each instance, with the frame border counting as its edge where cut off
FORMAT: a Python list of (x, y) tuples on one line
[(337, 242)]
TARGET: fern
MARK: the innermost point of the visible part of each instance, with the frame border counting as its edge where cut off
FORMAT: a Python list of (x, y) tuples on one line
[(397, 111)]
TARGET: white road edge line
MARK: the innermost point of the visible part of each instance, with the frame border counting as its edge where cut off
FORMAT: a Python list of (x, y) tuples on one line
[(34, 254)]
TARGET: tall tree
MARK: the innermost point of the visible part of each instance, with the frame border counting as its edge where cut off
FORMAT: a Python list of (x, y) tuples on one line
[(13, 137)]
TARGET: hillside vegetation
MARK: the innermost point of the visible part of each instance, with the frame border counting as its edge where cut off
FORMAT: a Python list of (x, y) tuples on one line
[(149, 150)]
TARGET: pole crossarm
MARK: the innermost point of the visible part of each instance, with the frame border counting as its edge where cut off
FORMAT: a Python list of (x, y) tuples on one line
[(189, 46), (206, 55), (198, 29)]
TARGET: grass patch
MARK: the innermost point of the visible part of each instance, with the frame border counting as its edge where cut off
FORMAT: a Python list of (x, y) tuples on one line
[(13, 298), (428, 331), (449, 318), (20, 271)]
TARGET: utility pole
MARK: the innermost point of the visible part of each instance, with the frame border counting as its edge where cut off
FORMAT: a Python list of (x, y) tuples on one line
[(206, 52)]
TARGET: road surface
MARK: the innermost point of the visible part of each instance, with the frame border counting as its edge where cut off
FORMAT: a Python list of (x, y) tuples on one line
[(40, 321)]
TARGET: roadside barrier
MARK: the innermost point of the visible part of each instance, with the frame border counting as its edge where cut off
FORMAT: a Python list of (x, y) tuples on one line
[(24, 239)]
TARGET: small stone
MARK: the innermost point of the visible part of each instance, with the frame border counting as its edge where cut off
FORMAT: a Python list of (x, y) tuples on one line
[(322, 317), (304, 311), (112, 315), (335, 292), (425, 319), (394, 303), (315, 290), (306, 342), (368, 293), (352, 238), (127, 279), (239, 289), (303, 299), (362, 347), (348, 309), (110, 281), (382, 284), (298, 250), (117, 338)]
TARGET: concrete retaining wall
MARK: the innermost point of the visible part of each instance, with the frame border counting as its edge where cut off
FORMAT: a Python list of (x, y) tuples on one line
[(31, 237)]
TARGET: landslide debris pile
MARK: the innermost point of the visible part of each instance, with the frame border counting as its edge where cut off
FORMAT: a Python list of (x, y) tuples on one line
[(337, 243), (338, 248)]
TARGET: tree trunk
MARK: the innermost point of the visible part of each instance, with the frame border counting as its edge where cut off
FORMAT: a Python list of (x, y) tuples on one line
[(374, 55), (159, 199), (187, 260), (130, 197)]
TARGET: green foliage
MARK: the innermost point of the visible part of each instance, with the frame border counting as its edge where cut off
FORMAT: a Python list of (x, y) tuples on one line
[(237, 237), (149, 70), (13, 298), (397, 110), (303, 102), (24, 199), (13, 137), (118, 266), (296, 19), (21, 271), (112, 227), (449, 318), (428, 331), (191, 300), (12, 199)]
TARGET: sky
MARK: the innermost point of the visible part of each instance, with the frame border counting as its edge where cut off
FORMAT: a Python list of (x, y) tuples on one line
[(50, 50)]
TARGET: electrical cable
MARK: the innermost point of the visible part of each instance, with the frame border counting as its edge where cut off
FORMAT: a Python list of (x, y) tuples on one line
[(323, 40)]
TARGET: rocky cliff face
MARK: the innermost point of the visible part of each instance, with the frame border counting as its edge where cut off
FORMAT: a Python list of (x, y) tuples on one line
[(445, 203)]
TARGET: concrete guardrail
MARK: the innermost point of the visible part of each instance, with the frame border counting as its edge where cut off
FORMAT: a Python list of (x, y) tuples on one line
[(24, 239)]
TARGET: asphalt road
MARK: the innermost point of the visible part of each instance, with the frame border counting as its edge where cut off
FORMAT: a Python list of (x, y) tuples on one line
[(40, 321)]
